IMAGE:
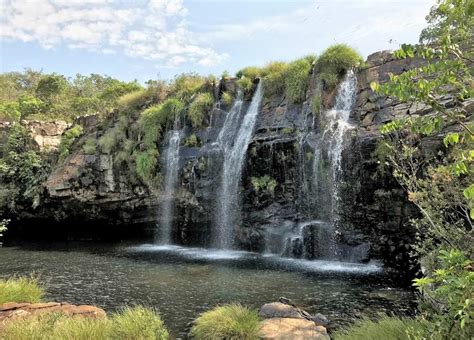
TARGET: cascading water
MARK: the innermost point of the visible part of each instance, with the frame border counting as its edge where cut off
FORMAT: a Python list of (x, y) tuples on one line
[(234, 145), (311, 239), (171, 165)]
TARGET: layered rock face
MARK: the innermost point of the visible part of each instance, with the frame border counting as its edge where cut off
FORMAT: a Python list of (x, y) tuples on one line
[(374, 209)]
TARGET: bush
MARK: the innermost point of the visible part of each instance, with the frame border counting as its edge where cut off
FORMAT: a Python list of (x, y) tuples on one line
[(264, 184), (146, 163), (10, 111), (133, 323), (231, 321), (245, 84), (29, 105), (316, 104), (334, 63), (186, 85), (89, 146), (251, 72), (133, 100), (387, 328), (200, 108), (138, 323), (22, 289), (192, 141), (67, 139), (109, 140), (297, 79), (227, 98), (274, 80)]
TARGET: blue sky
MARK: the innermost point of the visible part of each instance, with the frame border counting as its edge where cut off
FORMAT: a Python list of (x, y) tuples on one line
[(149, 39)]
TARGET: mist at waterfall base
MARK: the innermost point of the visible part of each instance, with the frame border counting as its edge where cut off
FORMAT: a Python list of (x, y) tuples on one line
[(181, 283)]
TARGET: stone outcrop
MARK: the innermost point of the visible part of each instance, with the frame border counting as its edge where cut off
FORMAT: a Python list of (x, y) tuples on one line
[(13, 310), (47, 135), (374, 210), (285, 321)]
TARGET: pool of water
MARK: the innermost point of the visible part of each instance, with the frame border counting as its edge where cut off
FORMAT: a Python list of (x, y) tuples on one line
[(183, 282)]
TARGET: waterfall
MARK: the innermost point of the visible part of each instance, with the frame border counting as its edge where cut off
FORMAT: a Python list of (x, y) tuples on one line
[(171, 165), (234, 143), (322, 195)]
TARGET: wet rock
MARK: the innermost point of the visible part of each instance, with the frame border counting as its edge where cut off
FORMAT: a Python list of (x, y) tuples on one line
[(279, 310)]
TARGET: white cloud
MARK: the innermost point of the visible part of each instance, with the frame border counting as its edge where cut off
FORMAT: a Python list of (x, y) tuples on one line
[(156, 32)]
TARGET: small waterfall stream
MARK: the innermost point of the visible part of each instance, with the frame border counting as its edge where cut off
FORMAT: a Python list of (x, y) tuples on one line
[(234, 142), (317, 238), (171, 165)]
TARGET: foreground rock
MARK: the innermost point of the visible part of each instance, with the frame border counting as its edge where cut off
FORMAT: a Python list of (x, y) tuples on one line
[(286, 321), (13, 310)]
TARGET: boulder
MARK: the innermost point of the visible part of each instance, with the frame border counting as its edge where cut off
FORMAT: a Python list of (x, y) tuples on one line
[(290, 328), (13, 310), (279, 310)]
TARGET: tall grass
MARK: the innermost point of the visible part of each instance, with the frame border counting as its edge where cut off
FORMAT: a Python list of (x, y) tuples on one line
[(133, 323), (386, 328), (334, 63), (231, 321), (199, 109), (297, 79), (22, 289)]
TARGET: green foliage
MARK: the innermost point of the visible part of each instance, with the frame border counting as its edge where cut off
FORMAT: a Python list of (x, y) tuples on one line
[(138, 323), (251, 72), (297, 79), (316, 104), (29, 105), (22, 289), (227, 98), (133, 323), (274, 79), (109, 140), (193, 141), (10, 111), (90, 146), (51, 87), (133, 100), (22, 165), (245, 84), (388, 328), (200, 108), (288, 130), (186, 85), (67, 139), (146, 163), (227, 322), (264, 184), (452, 286), (334, 63)]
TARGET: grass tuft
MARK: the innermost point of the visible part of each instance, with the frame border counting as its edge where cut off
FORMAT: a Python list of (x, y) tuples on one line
[(22, 289), (200, 108), (232, 321), (297, 79), (387, 328), (138, 323)]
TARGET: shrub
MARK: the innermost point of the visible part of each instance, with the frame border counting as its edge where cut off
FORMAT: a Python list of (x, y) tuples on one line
[(297, 80), (109, 140), (186, 85), (316, 104), (29, 105), (274, 79), (67, 139), (245, 84), (388, 328), (199, 109), (89, 146), (264, 184), (10, 111), (227, 98), (334, 63), (146, 163), (251, 72), (21, 289), (192, 141), (133, 323), (231, 321), (138, 323), (133, 100)]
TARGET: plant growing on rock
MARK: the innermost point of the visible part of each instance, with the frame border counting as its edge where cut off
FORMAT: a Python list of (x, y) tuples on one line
[(89, 146), (245, 84), (265, 184), (192, 141), (200, 108), (227, 98), (334, 63), (231, 321), (297, 79), (67, 139), (274, 79)]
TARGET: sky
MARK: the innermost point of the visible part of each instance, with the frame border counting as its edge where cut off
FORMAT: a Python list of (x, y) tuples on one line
[(157, 39)]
